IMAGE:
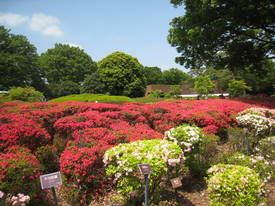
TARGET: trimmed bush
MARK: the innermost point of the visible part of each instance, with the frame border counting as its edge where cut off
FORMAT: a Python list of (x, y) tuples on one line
[(234, 185), (122, 164), (266, 149), (28, 94)]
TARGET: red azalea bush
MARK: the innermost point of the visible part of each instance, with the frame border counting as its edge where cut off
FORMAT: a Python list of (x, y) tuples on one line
[(19, 172), (18, 130)]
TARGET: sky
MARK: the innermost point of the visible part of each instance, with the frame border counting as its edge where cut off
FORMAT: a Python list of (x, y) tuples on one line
[(135, 27)]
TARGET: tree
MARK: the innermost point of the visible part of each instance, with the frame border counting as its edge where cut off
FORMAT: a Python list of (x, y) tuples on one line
[(203, 85), (231, 34), (28, 94), (153, 75), (121, 75), (63, 88), (93, 84), (18, 62), (66, 63), (175, 76), (237, 88), (222, 77), (174, 91)]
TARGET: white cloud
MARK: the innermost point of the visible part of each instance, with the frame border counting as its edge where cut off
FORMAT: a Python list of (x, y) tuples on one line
[(74, 45), (12, 19), (47, 25)]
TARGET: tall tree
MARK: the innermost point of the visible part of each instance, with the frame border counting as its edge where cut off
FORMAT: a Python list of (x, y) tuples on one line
[(18, 62), (175, 76), (153, 75), (233, 34), (204, 85), (66, 63), (122, 75)]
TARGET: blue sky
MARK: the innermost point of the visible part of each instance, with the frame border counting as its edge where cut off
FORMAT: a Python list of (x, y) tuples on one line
[(136, 27)]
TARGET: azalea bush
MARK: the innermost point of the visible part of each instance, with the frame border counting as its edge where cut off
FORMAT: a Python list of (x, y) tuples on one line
[(257, 163), (266, 149), (234, 185), (258, 125), (19, 172), (122, 161), (47, 156)]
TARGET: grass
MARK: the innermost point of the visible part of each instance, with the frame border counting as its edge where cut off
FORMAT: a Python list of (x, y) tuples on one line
[(93, 98), (4, 98)]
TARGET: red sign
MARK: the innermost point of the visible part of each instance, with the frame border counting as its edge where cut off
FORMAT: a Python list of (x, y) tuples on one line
[(145, 169), (50, 180)]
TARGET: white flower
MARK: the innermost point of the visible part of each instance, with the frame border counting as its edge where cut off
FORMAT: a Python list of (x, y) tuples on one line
[(1, 194)]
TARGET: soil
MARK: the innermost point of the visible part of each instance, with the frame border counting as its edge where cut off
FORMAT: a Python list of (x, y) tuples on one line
[(192, 193)]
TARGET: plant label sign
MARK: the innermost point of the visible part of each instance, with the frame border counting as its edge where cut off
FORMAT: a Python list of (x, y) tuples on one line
[(176, 182), (50, 180), (145, 169)]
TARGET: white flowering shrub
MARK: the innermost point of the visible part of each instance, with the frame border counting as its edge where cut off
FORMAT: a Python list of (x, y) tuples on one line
[(234, 185), (258, 163), (122, 161), (186, 136), (268, 113), (258, 125)]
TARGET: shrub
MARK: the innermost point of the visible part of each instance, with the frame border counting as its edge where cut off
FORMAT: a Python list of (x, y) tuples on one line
[(122, 164), (157, 93), (258, 125), (187, 137), (19, 172), (234, 185), (28, 94), (265, 148), (257, 163)]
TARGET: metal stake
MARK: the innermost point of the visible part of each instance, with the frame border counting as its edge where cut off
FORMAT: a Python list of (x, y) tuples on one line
[(54, 197), (146, 189)]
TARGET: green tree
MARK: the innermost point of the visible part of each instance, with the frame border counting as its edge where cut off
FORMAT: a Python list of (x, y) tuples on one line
[(153, 75), (222, 77), (174, 91), (204, 85), (122, 75), (237, 88), (175, 76), (93, 84), (63, 88), (66, 63), (18, 62), (233, 34)]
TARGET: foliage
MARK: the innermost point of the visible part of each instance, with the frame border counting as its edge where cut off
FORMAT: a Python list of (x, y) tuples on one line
[(222, 77), (122, 164), (258, 125), (66, 63), (174, 91), (152, 75), (121, 74), (157, 93), (93, 98), (187, 137), (63, 88), (237, 88), (28, 94), (47, 156), (21, 168), (203, 85), (18, 62), (14, 200), (257, 163), (234, 185), (93, 84), (243, 34), (175, 76), (265, 148)]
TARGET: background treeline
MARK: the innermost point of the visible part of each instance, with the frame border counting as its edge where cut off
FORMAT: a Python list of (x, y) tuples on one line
[(65, 70)]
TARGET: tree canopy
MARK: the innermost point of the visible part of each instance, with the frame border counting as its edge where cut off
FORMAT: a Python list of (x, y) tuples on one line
[(204, 85), (153, 75), (66, 63), (121, 74), (18, 62), (175, 76), (232, 34)]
